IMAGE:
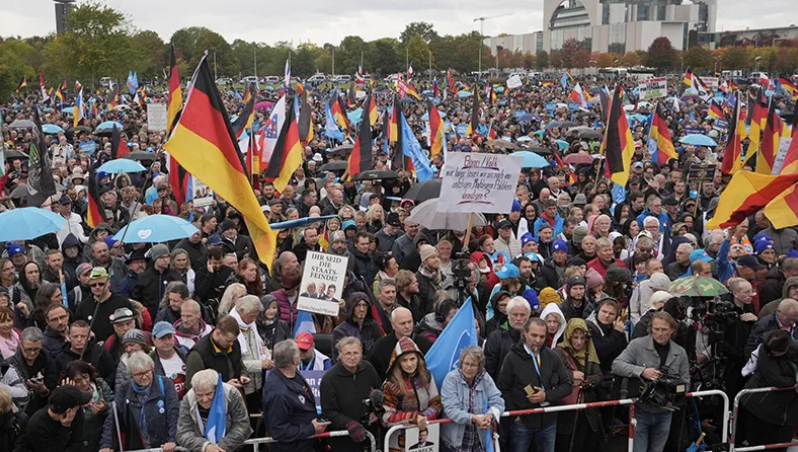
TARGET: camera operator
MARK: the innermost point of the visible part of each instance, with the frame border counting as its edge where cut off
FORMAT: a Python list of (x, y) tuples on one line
[(345, 396), (735, 332), (651, 358)]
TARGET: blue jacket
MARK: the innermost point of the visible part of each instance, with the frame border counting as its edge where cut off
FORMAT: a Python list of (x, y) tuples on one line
[(161, 412), (454, 395), (556, 230), (664, 222), (288, 409), (723, 266)]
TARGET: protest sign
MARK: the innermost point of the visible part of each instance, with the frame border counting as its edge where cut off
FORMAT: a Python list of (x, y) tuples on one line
[(652, 88), (88, 147), (721, 124), (551, 107), (322, 283), (711, 82), (694, 131), (704, 172), (482, 183), (156, 117), (573, 106), (784, 144), (514, 82), (422, 440), (201, 194)]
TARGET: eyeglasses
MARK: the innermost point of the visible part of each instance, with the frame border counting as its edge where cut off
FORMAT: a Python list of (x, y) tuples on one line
[(471, 365), (146, 373), (97, 284), (30, 351)]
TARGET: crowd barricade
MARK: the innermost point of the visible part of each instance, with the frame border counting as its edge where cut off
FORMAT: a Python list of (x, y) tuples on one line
[(254, 442), (735, 418)]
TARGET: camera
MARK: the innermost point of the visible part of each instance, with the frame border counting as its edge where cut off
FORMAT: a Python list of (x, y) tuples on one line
[(664, 392), (712, 313), (372, 404)]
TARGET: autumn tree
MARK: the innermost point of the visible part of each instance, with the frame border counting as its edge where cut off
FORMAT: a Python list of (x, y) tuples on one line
[(698, 58), (661, 54)]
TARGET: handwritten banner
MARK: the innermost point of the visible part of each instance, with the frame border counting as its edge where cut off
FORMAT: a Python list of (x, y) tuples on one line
[(483, 183)]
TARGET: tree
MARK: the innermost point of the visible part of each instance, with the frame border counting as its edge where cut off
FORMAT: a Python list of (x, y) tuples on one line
[(303, 62), (630, 59), (418, 52), (13, 67), (386, 59), (606, 59), (542, 59), (734, 58), (569, 52), (192, 42), (661, 54), (698, 58), (150, 48), (786, 59), (423, 29)]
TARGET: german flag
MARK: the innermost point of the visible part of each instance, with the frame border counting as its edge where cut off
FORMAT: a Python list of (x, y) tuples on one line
[(114, 98), (371, 107), (571, 175), (660, 143), (770, 141), (204, 144), (734, 146), (305, 122), (411, 91), (758, 117), (783, 210), (618, 146), (247, 116), (94, 214), (396, 135), (118, 146), (339, 112), (790, 164), (436, 138), (248, 96), (547, 84), (22, 84), (174, 103), (716, 111), (361, 158), (688, 77), (287, 154), (746, 194), (473, 120), (790, 87), (60, 96), (396, 110)]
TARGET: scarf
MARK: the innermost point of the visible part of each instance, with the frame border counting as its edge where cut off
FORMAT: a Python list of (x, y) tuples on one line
[(588, 351), (433, 275), (242, 340), (143, 393), (8, 346)]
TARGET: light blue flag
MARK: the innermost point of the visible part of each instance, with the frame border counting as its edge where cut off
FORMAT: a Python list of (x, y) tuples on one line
[(488, 432), (216, 427), (304, 324), (330, 127), (411, 148), (564, 80), (444, 355), (618, 193), (130, 82)]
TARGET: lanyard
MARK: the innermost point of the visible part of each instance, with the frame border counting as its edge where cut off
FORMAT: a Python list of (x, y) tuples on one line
[(308, 366), (538, 365)]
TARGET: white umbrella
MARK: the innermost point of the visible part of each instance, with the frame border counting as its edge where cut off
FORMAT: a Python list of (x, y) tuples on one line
[(428, 215)]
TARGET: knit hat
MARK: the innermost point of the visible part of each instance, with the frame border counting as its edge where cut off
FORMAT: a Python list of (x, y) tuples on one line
[(215, 239), (660, 297), (516, 206), (544, 225), (349, 224), (82, 269), (763, 245), (547, 296), (593, 279), (13, 249), (580, 232), (617, 274), (338, 236), (559, 245), (574, 281), (426, 252), (526, 238), (227, 224), (134, 336), (659, 281), (577, 262), (532, 298), (158, 251), (792, 253)]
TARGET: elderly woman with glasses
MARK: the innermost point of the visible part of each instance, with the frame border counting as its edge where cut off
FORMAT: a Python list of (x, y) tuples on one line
[(196, 406), (472, 400), (149, 402)]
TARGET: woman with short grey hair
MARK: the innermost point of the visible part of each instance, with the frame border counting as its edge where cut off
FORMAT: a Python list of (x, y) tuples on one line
[(190, 426), (466, 391), (254, 359), (150, 404)]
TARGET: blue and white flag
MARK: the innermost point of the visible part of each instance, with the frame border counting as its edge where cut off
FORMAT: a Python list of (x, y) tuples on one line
[(216, 427), (132, 82), (330, 127), (411, 148), (287, 73), (304, 324), (444, 355)]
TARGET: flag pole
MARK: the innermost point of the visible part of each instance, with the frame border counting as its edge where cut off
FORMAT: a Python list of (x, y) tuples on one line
[(468, 229)]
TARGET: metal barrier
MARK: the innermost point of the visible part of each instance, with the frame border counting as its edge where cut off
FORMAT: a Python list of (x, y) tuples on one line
[(255, 441), (726, 413), (734, 419)]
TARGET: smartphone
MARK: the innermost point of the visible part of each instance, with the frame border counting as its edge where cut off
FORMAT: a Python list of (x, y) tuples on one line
[(37, 380), (530, 390), (323, 420)]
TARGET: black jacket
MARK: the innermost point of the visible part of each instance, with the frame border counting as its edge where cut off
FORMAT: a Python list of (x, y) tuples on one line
[(96, 355), (288, 409), (44, 365), (780, 407), (151, 286), (497, 346), (365, 267), (342, 395), (519, 371), (609, 344), (368, 333), (102, 328), (205, 356), (765, 324), (44, 433), (196, 252), (426, 293), (53, 341), (210, 286), (771, 288), (242, 245), (550, 275)]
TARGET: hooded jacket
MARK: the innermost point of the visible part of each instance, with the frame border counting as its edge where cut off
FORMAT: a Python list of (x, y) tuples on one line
[(71, 264), (490, 277), (429, 327), (277, 330), (609, 342), (770, 289), (368, 333), (552, 308), (412, 260), (771, 307)]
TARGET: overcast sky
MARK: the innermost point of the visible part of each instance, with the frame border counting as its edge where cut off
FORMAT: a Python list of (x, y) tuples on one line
[(323, 21)]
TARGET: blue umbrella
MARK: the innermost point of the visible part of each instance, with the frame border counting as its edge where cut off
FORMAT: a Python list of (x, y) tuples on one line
[(121, 166), (156, 229), (51, 129), (552, 125), (500, 89), (532, 160), (562, 144), (464, 94), (698, 140), (108, 125), (425, 117), (637, 117), (407, 100), (290, 224), (28, 223), (527, 117)]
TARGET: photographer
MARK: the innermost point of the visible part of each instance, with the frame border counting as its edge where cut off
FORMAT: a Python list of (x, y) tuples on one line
[(346, 396), (651, 358), (736, 331)]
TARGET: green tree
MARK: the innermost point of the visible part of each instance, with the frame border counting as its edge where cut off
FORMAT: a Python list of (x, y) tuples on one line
[(149, 48), (661, 54), (303, 62), (630, 59), (386, 58), (734, 58), (542, 59), (698, 58), (13, 67), (192, 42), (419, 53), (423, 29)]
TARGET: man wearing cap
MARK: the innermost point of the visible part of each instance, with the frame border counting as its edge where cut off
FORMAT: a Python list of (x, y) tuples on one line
[(551, 217), (82, 290), (58, 426), (232, 241), (309, 357), (506, 242), (387, 236), (102, 304), (515, 218), (554, 267), (152, 282), (169, 359), (17, 255), (73, 224), (136, 264), (338, 247), (575, 303)]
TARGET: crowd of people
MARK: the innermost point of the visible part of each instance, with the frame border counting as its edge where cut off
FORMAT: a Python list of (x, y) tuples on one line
[(571, 293)]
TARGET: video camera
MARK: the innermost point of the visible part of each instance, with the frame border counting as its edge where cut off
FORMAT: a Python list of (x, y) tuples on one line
[(665, 392), (713, 313), (373, 404)]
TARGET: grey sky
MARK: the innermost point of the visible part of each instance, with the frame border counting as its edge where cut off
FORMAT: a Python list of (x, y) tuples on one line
[(323, 21)]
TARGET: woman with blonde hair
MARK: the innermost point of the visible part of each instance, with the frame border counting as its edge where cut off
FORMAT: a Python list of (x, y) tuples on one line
[(411, 395), (230, 297), (375, 218)]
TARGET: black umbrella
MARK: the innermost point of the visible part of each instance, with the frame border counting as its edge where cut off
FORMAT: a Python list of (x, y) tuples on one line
[(13, 154), (339, 166), (568, 125), (423, 191), (375, 175), (22, 124), (539, 150), (590, 135), (342, 149), (80, 129), (140, 156)]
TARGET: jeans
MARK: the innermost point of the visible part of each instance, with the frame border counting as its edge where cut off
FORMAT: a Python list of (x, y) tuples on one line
[(651, 431), (522, 435)]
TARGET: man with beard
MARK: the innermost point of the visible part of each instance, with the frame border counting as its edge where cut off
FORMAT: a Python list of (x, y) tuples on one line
[(407, 293), (136, 264), (54, 269), (499, 342), (338, 247), (152, 282), (107, 301), (101, 257)]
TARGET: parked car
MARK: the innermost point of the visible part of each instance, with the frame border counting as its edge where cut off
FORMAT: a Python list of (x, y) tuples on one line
[(249, 80), (224, 81), (105, 81), (270, 79), (317, 78), (342, 79)]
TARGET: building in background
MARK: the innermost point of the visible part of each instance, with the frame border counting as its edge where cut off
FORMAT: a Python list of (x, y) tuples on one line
[(760, 37), (617, 26), (62, 9)]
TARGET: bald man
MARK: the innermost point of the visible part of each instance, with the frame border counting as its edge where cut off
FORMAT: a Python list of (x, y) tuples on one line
[(402, 323), (785, 317)]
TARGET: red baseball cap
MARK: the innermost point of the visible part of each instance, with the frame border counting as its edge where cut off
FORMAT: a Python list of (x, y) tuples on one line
[(304, 341)]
